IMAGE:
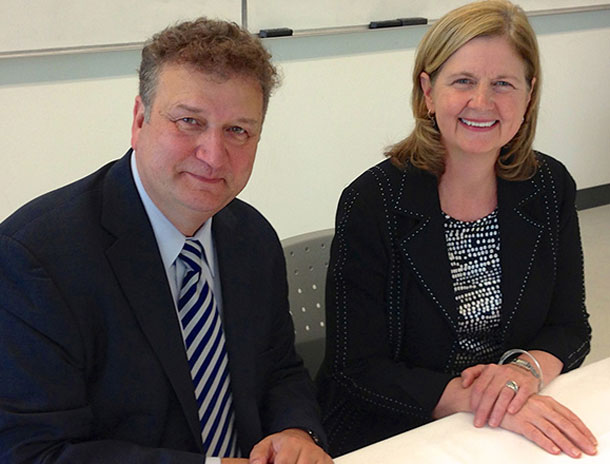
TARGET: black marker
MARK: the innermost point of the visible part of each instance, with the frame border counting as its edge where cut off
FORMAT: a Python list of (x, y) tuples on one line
[(279, 32), (397, 22), (413, 21), (386, 23)]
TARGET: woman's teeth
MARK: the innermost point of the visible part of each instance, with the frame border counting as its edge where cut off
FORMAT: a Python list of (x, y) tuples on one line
[(477, 124)]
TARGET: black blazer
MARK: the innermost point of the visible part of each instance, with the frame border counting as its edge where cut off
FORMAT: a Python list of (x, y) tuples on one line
[(93, 368), (391, 310)]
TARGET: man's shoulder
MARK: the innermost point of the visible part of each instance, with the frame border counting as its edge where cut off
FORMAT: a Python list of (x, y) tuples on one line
[(57, 207), (242, 234), (241, 215)]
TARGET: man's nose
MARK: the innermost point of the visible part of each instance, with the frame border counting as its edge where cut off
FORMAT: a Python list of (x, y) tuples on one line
[(211, 147)]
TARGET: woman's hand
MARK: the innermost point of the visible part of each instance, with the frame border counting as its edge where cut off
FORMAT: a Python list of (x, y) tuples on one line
[(490, 397), (551, 426), (542, 420)]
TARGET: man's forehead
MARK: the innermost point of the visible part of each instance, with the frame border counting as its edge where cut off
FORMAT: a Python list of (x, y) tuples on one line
[(216, 74)]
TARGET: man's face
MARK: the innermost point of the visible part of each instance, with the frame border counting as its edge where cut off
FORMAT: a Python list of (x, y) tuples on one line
[(196, 151)]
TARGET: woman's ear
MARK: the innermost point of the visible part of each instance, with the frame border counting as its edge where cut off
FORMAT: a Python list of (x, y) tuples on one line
[(529, 95), (426, 85)]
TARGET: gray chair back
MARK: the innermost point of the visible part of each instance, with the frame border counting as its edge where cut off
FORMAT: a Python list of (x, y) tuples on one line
[(306, 265)]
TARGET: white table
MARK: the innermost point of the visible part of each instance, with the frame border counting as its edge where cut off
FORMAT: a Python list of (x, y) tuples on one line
[(453, 439)]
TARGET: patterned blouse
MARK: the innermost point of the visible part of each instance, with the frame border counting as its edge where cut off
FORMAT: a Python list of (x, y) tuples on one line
[(474, 256)]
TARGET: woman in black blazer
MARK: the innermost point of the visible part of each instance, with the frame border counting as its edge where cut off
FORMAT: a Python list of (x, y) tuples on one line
[(456, 274)]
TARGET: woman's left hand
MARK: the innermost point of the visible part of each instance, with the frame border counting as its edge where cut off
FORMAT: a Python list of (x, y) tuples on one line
[(552, 426), (490, 397)]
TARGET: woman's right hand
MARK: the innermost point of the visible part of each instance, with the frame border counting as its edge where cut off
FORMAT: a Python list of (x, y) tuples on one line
[(551, 426), (490, 398)]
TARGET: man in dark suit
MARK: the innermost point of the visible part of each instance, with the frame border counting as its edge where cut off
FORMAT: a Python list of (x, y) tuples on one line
[(143, 310)]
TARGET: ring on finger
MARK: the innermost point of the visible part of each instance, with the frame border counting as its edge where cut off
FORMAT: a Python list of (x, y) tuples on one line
[(512, 385)]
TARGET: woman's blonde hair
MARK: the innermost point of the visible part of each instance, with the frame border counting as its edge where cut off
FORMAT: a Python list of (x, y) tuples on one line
[(489, 18)]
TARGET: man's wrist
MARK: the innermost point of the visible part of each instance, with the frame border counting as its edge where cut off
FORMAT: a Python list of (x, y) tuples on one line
[(314, 436)]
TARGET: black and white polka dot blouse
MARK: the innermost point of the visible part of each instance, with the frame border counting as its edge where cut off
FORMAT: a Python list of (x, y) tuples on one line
[(474, 256)]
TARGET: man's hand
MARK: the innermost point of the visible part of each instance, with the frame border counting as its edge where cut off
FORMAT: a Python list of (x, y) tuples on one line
[(290, 446)]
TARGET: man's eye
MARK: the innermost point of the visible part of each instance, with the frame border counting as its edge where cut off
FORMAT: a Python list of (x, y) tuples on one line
[(237, 130), (238, 133), (189, 121)]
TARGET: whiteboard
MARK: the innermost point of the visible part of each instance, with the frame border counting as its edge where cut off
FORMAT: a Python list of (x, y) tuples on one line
[(315, 14), (50, 24)]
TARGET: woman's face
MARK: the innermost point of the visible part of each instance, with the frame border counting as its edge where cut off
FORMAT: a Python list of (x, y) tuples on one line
[(479, 97)]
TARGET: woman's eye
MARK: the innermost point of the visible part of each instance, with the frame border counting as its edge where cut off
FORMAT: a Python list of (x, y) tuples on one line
[(503, 84)]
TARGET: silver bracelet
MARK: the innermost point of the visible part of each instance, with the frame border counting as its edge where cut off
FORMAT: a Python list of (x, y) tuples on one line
[(524, 364)]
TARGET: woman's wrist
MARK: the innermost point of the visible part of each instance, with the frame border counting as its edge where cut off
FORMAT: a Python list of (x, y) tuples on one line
[(525, 360), (455, 398), (541, 364), (550, 364)]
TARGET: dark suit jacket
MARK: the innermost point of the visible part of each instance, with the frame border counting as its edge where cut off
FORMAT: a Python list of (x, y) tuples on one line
[(391, 310), (93, 368)]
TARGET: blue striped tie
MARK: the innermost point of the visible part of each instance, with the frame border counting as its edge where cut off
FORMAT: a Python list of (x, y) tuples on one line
[(207, 355)]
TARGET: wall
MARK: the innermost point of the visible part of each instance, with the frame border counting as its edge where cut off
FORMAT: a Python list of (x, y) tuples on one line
[(49, 24), (314, 14), (345, 98)]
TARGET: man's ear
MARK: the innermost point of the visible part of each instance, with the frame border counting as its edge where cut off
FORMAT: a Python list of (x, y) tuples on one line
[(139, 116)]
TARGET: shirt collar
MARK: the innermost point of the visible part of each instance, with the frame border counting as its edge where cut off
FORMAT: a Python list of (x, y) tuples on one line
[(169, 239)]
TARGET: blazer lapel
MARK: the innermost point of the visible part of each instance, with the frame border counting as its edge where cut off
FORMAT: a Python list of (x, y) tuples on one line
[(521, 221), (135, 259), (421, 230), (238, 277)]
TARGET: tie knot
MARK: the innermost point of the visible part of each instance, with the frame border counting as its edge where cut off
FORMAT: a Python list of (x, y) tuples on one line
[(192, 254)]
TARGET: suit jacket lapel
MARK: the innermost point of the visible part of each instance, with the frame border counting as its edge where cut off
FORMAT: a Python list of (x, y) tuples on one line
[(237, 274), (135, 258), (521, 220), (422, 238)]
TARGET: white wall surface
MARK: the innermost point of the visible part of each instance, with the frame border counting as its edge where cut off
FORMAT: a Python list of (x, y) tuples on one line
[(344, 99), (299, 15), (42, 24)]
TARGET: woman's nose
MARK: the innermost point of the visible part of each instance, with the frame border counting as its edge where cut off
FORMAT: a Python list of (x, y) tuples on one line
[(482, 97)]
